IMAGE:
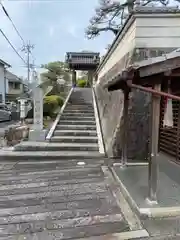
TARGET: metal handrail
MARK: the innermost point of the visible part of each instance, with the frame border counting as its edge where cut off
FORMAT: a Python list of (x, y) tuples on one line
[(99, 120), (51, 131)]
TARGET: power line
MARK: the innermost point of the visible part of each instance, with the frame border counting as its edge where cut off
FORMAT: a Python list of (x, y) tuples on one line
[(6, 13), (12, 46)]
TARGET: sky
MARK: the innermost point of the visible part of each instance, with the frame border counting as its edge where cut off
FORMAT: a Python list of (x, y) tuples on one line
[(53, 26)]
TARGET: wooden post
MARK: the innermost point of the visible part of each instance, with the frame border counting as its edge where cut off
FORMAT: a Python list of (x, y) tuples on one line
[(153, 161), (90, 78), (125, 128), (74, 78)]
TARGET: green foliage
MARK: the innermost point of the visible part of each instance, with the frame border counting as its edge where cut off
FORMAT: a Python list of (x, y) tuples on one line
[(51, 104), (81, 83), (54, 71)]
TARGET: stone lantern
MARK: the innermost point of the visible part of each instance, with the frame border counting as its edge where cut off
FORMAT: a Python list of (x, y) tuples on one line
[(23, 107)]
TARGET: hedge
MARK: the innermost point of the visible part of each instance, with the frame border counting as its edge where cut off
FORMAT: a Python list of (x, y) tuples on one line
[(81, 83), (51, 104)]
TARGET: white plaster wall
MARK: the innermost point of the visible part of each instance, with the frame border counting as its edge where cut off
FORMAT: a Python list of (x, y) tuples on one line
[(126, 44), (2, 82), (158, 31), (146, 31)]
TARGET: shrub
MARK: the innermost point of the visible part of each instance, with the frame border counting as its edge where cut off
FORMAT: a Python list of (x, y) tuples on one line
[(81, 83), (51, 103)]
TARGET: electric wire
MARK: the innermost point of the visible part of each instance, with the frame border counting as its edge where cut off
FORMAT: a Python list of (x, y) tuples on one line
[(12, 46), (8, 16)]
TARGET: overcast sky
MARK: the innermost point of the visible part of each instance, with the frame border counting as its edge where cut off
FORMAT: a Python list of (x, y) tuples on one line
[(53, 26)]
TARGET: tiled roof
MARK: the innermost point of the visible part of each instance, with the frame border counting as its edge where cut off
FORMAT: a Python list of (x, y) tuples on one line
[(161, 60)]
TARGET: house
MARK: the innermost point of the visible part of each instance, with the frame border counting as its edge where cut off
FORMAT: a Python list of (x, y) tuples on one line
[(14, 86), (3, 66)]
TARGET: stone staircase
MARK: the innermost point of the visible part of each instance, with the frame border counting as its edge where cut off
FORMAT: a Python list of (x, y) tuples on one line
[(77, 126), (59, 189), (75, 135)]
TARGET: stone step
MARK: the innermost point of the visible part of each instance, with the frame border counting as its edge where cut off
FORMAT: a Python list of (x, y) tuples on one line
[(74, 104), (41, 146), (74, 227), (46, 155), (91, 168), (39, 188), (78, 114), (82, 103), (76, 127), (74, 118), (79, 107), (75, 133), (56, 191), (79, 111), (41, 174), (88, 204), (77, 139), (77, 122), (78, 200)]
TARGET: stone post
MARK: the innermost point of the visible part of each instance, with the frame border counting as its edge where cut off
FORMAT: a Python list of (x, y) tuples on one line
[(37, 133)]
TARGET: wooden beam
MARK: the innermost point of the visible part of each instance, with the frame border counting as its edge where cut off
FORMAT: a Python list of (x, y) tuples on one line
[(160, 67)]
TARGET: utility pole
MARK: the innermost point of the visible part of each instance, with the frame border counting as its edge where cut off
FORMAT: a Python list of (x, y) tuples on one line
[(27, 49)]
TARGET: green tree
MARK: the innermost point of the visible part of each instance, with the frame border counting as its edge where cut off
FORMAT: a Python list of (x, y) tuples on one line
[(55, 70), (110, 15)]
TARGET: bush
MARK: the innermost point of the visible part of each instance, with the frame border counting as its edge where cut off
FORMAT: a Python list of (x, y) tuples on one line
[(51, 103), (81, 83)]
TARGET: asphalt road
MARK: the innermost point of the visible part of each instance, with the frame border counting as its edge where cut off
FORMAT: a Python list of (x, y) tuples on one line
[(6, 123)]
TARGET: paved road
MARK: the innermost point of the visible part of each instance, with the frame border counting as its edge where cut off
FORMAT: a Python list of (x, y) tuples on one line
[(5, 124)]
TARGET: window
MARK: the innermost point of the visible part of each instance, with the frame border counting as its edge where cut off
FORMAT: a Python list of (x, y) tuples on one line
[(14, 85)]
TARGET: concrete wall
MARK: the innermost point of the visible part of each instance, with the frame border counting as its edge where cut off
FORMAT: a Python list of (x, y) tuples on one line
[(145, 35)]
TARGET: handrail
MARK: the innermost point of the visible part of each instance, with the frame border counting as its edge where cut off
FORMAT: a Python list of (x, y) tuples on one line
[(98, 123), (51, 131)]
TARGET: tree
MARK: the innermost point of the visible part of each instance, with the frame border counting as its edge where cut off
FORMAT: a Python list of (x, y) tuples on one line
[(110, 15), (55, 70)]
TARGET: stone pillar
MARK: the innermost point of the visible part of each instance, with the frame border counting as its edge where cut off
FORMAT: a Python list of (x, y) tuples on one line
[(37, 133), (38, 109), (74, 78)]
